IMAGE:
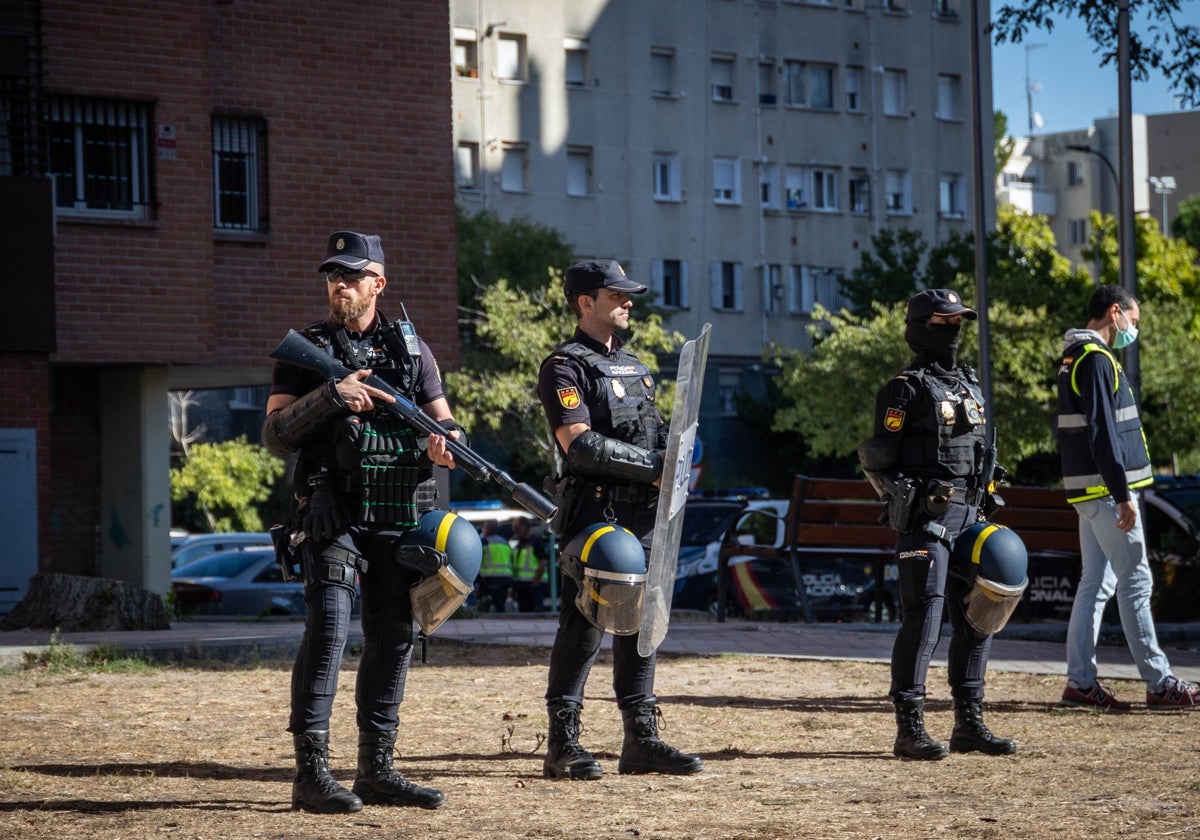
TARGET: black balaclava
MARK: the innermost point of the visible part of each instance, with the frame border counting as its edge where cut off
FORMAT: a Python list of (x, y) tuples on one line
[(936, 343)]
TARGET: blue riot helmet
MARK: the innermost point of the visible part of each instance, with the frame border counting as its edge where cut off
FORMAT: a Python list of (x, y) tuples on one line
[(609, 564), (446, 550), (994, 560)]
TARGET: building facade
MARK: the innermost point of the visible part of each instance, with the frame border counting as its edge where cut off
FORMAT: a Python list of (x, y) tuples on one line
[(170, 173), (736, 155)]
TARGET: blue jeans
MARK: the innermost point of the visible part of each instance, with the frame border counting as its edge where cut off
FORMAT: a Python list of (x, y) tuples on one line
[(1114, 561)]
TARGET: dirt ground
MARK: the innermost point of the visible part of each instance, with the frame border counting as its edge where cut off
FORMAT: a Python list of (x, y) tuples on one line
[(791, 748)]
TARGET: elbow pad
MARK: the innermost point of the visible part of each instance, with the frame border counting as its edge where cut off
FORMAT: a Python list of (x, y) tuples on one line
[(596, 455), (285, 429)]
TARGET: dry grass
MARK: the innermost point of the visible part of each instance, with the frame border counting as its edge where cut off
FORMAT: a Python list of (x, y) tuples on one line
[(792, 749)]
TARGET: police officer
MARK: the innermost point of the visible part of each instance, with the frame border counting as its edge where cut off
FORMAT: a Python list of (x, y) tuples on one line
[(599, 403), (927, 456), (355, 488)]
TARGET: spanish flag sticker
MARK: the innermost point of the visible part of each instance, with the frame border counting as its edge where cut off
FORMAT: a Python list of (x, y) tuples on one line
[(893, 421), (569, 397)]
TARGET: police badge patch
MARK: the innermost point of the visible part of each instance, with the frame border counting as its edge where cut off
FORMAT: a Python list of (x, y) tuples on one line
[(568, 397), (893, 420), (618, 389)]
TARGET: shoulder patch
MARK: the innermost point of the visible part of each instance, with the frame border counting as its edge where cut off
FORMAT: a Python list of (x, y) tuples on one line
[(893, 420), (568, 397)]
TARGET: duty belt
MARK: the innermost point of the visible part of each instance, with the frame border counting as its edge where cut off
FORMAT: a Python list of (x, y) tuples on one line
[(967, 495), (624, 493)]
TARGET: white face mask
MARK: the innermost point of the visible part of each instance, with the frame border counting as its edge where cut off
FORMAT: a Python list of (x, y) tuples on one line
[(1125, 337)]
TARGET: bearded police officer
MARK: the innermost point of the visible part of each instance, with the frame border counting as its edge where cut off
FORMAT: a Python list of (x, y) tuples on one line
[(928, 456), (600, 405), (359, 472)]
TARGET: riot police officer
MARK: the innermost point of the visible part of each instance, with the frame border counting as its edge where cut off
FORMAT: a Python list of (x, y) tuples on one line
[(927, 456), (359, 475), (599, 403)]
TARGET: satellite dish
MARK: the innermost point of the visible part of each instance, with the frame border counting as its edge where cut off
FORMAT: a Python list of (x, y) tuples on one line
[(1038, 122)]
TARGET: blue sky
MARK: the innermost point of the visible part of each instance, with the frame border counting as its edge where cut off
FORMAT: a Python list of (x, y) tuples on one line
[(1072, 88)]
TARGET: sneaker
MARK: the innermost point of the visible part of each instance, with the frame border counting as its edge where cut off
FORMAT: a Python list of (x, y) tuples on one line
[(1175, 694), (1097, 697)]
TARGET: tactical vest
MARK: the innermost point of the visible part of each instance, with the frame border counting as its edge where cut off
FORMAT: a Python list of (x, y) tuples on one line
[(946, 431), (378, 465), (1081, 477), (629, 389)]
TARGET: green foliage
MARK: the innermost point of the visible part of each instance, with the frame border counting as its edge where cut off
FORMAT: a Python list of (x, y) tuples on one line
[(59, 657), (517, 250), (1002, 144), (227, 480), (1186, 224)]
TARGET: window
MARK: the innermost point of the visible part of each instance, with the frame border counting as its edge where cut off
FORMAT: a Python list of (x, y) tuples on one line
[(579, 170), (860, 191), (722, 79), (666, 177), (897, 188), (239, 173), (950, 192), (98, 150), (669, 283), (510, 58), (729, 383), (772, 288), (948, 98), (894, 93), (946, 8), (795, 187), (894, 5), (1077, 231), (466, 166), (809, 285), (824, 189), (727, 187), (662, 71), (466, 53), (853, 78), (577, 69), (726, 279), (768, 186), (513, 161), (809, 85), (766, 83), (1074, 173)]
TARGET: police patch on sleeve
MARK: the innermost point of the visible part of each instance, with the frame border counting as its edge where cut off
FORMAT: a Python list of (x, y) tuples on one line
[(893, 420), (568, 397)]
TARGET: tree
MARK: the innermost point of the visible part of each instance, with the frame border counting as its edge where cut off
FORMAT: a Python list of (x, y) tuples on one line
[(227, 481), (518, 250), (896, 266), (1167, 46), (1186, 224), (1002, 144)]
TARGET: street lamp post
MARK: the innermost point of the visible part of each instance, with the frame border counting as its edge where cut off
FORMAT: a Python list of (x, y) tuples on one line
[(1164, 185), (1083, 147)]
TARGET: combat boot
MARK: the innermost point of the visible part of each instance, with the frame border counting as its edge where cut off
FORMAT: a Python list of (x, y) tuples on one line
[(315, 789), (912, 741), (970, 734), (565, 759), (378, 783), (644, 752)]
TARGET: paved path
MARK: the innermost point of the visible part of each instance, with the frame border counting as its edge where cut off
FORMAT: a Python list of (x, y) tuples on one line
[(1036, 649)]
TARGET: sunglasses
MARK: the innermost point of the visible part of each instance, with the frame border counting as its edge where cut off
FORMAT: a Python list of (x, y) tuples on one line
[(346, 275)]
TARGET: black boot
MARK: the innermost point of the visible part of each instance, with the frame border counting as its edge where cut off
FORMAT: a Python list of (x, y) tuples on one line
[(314, 788), (911, 739), (565, 759), (970, 735), (378, 783), (644, 752)]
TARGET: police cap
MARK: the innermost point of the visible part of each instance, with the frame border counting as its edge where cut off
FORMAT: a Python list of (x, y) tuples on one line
[(596, 274), (352, 250), (937, 302)]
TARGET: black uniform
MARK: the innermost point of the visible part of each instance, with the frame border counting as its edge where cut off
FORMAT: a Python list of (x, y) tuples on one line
[(613, 393), (930, 425), (374, 470)]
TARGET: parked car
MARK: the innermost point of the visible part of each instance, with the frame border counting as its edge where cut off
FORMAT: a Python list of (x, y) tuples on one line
[(243, 582), (194, 546)]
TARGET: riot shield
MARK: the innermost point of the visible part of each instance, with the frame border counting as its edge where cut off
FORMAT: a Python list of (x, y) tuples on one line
[(673, 493)]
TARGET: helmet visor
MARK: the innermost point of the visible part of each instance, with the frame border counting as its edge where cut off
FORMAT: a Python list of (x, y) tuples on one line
[(437, 597), (989, 605), (612, 601)]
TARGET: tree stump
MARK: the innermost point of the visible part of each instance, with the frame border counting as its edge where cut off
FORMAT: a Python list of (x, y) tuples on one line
[(79, 603)]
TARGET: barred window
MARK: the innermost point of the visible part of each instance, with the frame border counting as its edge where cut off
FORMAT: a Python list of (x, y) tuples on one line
[(239, 146), (98, 151)]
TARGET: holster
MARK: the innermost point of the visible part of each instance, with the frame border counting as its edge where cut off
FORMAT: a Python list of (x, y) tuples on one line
[(902, 505), (285, 553), (567, 493)]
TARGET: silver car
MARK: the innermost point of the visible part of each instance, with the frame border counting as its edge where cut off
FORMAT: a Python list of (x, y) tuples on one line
[(245, 582)]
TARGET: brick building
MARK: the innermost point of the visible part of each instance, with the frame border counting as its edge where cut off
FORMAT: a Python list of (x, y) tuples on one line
[(169, 173)]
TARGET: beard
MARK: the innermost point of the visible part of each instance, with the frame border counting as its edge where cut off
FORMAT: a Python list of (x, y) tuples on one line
[(345, 310)]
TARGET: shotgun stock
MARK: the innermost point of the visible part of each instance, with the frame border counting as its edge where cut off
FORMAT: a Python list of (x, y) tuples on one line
[(297, 350)]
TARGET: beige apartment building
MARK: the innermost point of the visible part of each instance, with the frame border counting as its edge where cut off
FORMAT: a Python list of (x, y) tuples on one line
[(737, 155)]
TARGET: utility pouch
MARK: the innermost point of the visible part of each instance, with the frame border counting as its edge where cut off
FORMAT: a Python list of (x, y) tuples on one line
[(937, 496), (285, 553)]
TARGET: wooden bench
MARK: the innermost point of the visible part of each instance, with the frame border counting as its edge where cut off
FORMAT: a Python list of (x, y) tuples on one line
[(832, 513)]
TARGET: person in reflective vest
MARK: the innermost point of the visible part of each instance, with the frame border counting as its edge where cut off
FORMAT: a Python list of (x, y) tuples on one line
[(496, 572), (1105, 462), (530, 572)]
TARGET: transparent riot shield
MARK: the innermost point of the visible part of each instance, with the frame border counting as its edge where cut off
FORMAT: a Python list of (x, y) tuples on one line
[(673, 493)]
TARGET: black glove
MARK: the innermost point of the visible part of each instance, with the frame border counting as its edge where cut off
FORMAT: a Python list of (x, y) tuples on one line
[(324, 516)]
